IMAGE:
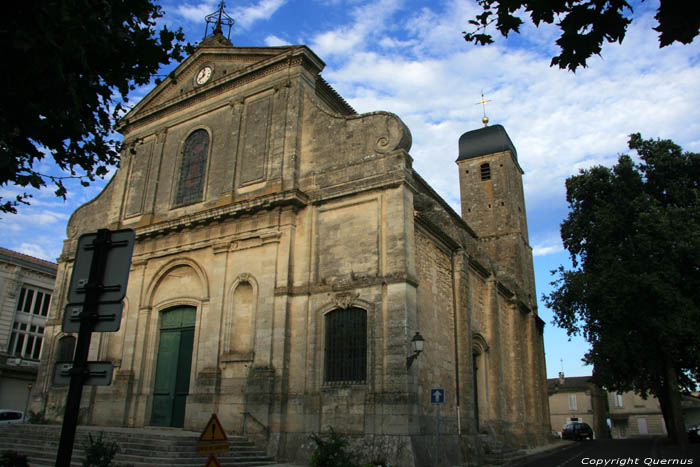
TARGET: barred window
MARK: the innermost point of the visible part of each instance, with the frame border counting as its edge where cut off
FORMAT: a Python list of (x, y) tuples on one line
[(346, 346), (193, 168), (485, 171)]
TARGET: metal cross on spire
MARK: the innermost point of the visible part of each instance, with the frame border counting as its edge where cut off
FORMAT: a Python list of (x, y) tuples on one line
[(483, 102), (218, 19)]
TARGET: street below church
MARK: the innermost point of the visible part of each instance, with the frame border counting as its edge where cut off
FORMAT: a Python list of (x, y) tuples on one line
[(616, 453)]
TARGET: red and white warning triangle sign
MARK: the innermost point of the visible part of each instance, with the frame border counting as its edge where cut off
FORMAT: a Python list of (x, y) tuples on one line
[(213, 462), (213, 431)]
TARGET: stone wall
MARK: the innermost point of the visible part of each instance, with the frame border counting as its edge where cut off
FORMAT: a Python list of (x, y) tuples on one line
[(303, 211)]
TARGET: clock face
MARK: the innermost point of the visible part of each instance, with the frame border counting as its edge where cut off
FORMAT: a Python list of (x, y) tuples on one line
[(203, 75)]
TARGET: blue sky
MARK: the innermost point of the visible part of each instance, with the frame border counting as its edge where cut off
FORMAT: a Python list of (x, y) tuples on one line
[(408, 57)]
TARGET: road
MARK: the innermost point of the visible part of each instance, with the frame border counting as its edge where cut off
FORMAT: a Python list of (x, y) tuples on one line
[(617, 453)]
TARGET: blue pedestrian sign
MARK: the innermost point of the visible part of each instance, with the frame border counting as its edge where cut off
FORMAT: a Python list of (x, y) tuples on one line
[(437, 396)]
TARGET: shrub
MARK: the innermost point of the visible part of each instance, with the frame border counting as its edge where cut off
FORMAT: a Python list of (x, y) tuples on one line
[(330, 451), (36, 418), (99, 453)]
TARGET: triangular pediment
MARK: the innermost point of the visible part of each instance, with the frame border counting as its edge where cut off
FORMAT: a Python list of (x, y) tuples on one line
[(224, 63)]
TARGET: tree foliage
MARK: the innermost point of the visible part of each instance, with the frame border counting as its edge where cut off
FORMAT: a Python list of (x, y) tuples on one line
[(70, 65), (633, 234), (585, 24)]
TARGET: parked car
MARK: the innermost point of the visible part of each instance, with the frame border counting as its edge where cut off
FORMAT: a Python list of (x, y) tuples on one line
[(576, 431), (694, 434), (11, 416), (556, 434)]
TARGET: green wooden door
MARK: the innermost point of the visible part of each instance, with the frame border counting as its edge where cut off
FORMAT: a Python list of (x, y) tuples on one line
[(173, 367)]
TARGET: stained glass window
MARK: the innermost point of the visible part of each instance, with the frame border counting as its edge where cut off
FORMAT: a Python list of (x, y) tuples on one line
[(346, 346), (193, 168)]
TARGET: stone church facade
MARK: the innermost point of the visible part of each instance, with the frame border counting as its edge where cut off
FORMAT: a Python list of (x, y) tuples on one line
[(286, 254)]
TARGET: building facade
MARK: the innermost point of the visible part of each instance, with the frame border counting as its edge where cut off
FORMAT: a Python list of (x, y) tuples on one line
[(631, 416), (287, 253), (577, 399), (26, 286)]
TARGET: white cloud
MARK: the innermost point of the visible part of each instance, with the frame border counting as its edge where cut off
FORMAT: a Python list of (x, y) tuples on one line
[(391, 43), (274, 41), (39, 251), (263, 10), (559, 121), (196, 13), (244, 17), (547, 249), (369, 21)]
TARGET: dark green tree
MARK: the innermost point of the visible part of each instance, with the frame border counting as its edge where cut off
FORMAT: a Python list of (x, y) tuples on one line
[(68, 67), (633, 234), (584, 24)]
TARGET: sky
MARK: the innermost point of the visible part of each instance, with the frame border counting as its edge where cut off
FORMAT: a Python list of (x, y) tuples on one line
[(409, 57)]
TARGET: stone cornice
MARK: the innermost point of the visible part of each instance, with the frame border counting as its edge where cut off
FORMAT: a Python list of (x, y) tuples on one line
[(341, 285), (479, 268), (286, 198)]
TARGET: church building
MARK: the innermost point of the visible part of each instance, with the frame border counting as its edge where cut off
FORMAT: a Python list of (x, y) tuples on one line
[(287, 260)]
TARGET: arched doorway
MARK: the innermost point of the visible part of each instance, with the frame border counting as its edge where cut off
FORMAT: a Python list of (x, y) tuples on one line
[(173, 367)]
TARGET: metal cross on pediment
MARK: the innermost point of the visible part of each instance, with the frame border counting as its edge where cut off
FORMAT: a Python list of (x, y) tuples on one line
[(218, 19)]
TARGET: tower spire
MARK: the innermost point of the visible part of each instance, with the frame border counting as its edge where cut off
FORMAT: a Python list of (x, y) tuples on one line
[(218, 19), (483, 102)]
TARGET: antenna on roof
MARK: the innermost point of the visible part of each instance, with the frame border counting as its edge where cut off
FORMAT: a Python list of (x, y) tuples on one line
[(218, 19)]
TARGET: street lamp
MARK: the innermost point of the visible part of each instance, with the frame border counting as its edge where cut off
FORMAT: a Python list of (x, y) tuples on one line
[(417, 345)]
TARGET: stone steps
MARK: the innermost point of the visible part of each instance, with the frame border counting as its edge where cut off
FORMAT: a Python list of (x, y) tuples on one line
[(137, 447)]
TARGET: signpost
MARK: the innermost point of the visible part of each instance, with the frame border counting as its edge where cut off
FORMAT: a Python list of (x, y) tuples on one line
[(97, 287), (437, 397), (212, 440)]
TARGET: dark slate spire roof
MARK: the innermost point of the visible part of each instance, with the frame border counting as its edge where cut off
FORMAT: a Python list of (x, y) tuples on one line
[(487, 140)]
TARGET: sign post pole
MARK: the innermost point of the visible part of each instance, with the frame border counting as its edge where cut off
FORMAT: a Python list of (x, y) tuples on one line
[(437, 437), (80, 369), (437, 397), (97, 287)]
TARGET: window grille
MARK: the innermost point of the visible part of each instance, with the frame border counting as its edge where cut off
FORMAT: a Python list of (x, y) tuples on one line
[(346, 346), (485, 171), (193, 168)]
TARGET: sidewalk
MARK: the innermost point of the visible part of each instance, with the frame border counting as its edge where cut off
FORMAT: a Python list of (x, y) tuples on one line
[(528, 456), (664, 449), (533, 454)]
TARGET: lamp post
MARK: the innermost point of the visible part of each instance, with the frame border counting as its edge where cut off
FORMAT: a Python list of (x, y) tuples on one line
[(417, 345)]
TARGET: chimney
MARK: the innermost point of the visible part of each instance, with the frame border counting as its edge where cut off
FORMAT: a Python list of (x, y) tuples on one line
[(561, 378)]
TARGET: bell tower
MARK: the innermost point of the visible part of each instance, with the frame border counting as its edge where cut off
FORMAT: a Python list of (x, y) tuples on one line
[(493, 203)]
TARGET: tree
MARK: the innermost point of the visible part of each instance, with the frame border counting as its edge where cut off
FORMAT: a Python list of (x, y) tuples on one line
[(584, 24), (633, 234), (70, 65)]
